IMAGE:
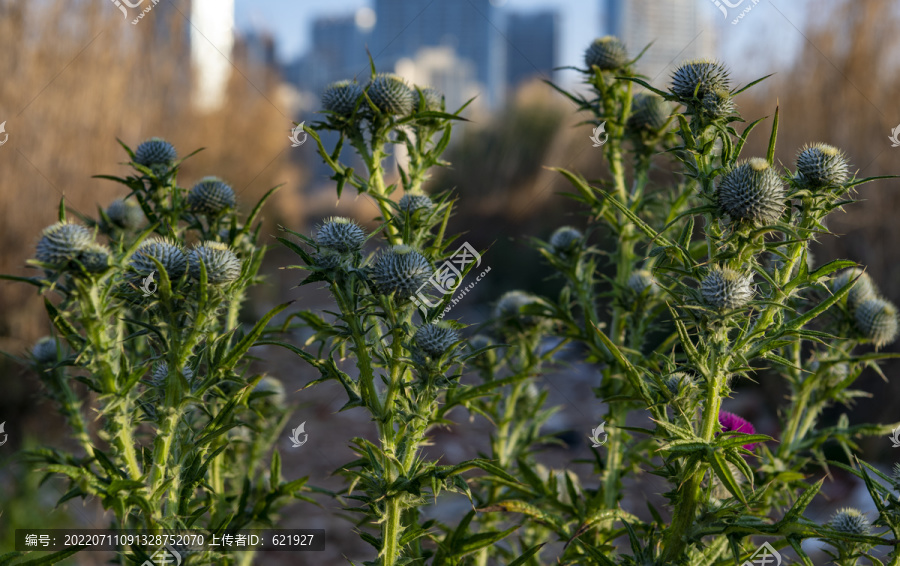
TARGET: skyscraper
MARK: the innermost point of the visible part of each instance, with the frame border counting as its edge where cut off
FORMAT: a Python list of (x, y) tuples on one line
[(404, 26), (531, 49), (676, 28), (212, 39)]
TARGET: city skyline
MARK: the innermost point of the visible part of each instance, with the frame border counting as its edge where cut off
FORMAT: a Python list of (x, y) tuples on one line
[(579, 21)]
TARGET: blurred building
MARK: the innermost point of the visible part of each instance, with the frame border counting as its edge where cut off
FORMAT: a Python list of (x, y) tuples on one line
[(405, 26), (212, 41), (337, 53), (676, 28), (532, 46), (441, 68)]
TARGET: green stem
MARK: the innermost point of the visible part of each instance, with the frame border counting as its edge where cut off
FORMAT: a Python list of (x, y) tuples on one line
[(390, 529), (70, 407), (614, 453), (363, 360), (686, 510), (790, 433)]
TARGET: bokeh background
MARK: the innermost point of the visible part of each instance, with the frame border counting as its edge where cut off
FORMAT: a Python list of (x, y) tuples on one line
[(233, 76)]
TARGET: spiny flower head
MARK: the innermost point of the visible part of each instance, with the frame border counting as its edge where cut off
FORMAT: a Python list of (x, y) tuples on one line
[(125, 214), (718, 103), (851, 521), (400, 270), (222, 266), (752, 191), (341, 97), (341, 235), (161, 372), (434, 99), (863, 290), (413, 202), (733, 423), (391, 95), (211, 196), (166, 252), (155, 152), (678, 382), (479, 341), (435, 338), (895, 476), (46, 350), (607, 53), (328, 258), (641, 280), (822, 165), (565, 240), (700, 76), (877, 319), (648, 112), (511, 304), (273, 387), (62, 242), (94, 257), (725, 288)]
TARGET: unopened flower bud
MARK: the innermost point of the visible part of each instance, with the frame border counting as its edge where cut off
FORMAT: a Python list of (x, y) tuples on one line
[(877, 319), (511, 304), (166, 252), (62, 242), (607, 53), (400, 270), (222, 266), (341, 235), (641, 280), (391, 95), (725, 288), (155, 153), (211, 196), (863, 290), (850, 521), (411, 203), (752, 191), (565, 240), (125, 214), (822, 165), (649, 112), (699, 76), (436, 338), (46, 350), (341, 97)]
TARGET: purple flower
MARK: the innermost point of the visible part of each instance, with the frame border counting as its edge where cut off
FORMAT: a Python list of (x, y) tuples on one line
[(733, 423)]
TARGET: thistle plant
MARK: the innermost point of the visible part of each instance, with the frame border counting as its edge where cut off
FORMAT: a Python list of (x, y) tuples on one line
[(143, 302), (407, 363), (693, 305)]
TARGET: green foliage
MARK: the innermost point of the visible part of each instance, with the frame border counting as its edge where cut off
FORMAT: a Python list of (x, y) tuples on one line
[(162, 363)]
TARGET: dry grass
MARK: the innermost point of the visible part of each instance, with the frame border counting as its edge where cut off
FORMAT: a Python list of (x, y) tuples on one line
[(76, 77)]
